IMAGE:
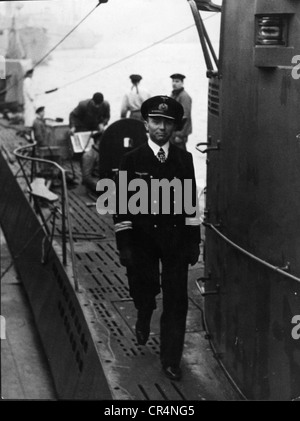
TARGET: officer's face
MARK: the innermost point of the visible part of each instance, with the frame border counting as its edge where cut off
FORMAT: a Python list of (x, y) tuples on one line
[(160, 129), (177, 83)]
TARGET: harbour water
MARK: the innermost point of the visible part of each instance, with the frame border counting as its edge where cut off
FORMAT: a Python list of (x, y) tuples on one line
[(67, 67), (151, 37)]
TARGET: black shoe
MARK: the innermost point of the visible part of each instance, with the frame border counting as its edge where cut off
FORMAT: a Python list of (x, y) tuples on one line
[(172, 372), (142, 332)]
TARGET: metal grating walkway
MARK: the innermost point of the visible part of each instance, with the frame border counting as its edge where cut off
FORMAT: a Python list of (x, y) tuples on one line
[(134, 371)]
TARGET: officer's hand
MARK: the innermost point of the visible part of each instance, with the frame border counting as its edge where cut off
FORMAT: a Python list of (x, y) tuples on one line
[(126, 257), (193, 254), (72, 130)]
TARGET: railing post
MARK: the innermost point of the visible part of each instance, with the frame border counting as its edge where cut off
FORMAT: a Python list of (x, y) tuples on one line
[(66, 218), (63, 226)]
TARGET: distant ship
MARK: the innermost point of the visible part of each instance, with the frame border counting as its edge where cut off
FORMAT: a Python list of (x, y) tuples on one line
[(21, 41), (79, 39)]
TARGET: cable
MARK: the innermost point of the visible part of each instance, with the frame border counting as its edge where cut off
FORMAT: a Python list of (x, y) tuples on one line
[(127, 57), (4, 91), (111, 64), (252, 256), (66, 36)]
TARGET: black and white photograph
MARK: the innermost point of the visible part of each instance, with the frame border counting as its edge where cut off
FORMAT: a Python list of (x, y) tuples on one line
[(149, 203)]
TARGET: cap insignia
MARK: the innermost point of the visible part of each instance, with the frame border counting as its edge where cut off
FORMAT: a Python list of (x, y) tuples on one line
[(163, 107)]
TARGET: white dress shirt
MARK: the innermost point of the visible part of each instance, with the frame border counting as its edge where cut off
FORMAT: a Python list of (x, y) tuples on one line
[(155, 148)]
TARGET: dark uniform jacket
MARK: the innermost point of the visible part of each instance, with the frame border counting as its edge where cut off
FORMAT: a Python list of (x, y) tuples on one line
[(87, 117), (181, 96), (157, 248), (142, 163), (41, 132)]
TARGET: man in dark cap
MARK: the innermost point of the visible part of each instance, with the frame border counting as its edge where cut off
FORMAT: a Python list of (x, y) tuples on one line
[(90, 115), (44, 149), (132, 101), (180, 136), (40, 130), (154, 237)]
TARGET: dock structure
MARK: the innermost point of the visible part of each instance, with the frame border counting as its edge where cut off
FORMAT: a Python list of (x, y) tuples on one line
[(88, 335)]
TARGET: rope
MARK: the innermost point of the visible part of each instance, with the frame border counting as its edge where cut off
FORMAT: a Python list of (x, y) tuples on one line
[(252, 256), (128, 56), (4, 91), (66, 36)]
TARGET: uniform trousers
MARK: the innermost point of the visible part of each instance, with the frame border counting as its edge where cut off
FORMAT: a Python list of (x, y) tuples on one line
[(159, 263)]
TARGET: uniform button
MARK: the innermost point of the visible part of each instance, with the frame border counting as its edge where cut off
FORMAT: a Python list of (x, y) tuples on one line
[(155, 226), (175, 225), (154, 213), (154, 201)]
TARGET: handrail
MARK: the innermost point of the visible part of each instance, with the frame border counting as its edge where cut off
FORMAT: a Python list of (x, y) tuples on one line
[(206, 44), (199, 26), (252, 256), (65, 204)]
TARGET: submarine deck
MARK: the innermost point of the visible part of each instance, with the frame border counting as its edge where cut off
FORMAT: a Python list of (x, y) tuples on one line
[(133, 372)]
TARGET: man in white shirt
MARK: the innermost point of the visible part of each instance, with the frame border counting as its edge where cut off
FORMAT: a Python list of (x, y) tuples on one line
[(29, 99), (132, 101)]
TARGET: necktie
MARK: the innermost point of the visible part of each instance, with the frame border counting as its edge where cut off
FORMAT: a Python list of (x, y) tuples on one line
[(161, 156)]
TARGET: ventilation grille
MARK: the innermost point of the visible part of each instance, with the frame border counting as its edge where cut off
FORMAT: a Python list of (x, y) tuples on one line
[(213, 98)]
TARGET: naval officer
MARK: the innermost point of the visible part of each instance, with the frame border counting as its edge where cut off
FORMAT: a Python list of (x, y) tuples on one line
[(180, 136), (157, 247)]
